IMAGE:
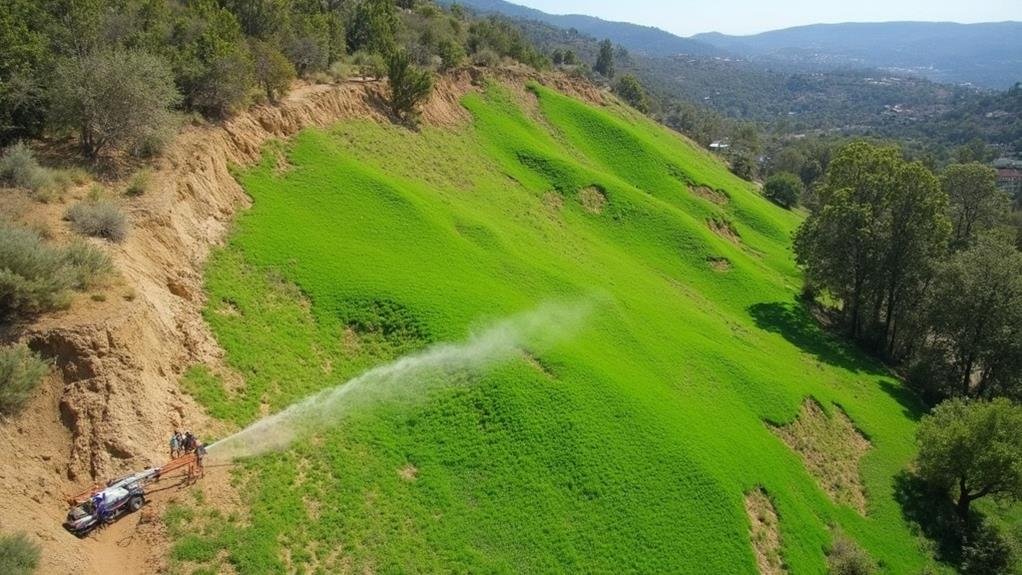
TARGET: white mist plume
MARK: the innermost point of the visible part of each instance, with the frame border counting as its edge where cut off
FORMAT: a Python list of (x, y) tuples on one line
[(406, 378)]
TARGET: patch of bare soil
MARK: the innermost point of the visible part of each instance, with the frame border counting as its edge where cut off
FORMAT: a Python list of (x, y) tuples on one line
[(553, 201), (723, 228), (593, 199), (114, 397), (764, 532), (719, 263), (831, 449), (707, 193), (409, 472), (444, 105)]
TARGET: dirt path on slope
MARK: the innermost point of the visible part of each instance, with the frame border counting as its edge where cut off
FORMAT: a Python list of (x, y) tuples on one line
[(114, 397)]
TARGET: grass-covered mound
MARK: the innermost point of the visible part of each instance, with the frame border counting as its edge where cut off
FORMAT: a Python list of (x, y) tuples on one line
[(630, 447)]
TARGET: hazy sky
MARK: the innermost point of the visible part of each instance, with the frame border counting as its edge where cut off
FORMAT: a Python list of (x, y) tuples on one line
[(687, 17)]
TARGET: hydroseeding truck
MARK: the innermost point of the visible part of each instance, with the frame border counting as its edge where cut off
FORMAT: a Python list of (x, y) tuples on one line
[(104, 504)]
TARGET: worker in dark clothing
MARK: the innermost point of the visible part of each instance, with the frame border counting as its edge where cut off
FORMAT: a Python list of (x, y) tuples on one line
[(189, 442), (200, 454)]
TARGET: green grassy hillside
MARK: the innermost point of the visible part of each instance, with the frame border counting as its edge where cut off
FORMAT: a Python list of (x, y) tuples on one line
[(627, 448)]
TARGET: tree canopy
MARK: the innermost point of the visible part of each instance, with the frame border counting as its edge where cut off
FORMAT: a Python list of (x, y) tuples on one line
[(605, 59), (975, 317), (976, 203), (631, 91), (784, 189), (272, 70), (872, 239), (971, 449), (120, 97), (57, 55)]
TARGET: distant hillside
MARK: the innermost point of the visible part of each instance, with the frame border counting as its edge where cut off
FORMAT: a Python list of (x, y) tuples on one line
[(794, 100), (643, 39), (988, 55), (840, 82)]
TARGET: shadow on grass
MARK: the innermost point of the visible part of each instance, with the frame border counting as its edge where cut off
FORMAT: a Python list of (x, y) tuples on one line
[(911, 404), (933, 513), (973, 547), (798, 326)]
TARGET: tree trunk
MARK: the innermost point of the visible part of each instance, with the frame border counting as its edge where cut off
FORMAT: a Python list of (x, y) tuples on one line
[(854, 320), (964, 500), (967, 376), (874, 322), (86, 141), (892, 307), (963, 506), (892, 327)]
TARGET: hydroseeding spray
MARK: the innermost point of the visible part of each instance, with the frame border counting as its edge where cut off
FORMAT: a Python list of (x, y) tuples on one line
[(406, 378)]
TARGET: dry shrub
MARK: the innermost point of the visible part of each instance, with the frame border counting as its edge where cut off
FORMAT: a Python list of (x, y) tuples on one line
[(19, 167), (139, 183), (98, 219), (35, 277), (320, 78), (593, 199), (340, 71), (486, 58), (86, 264), (845, 557)]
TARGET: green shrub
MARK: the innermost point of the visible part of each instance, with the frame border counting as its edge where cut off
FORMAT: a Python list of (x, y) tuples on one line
[(139, 183), (784, 189), (98, 219), (62, 180), (96, 192), (409, 86), (19, 167), (632, 92), (743, 167), (19, 555), (451, 53), (273, 71), (845, 557), (33, 276), (21, 370)]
